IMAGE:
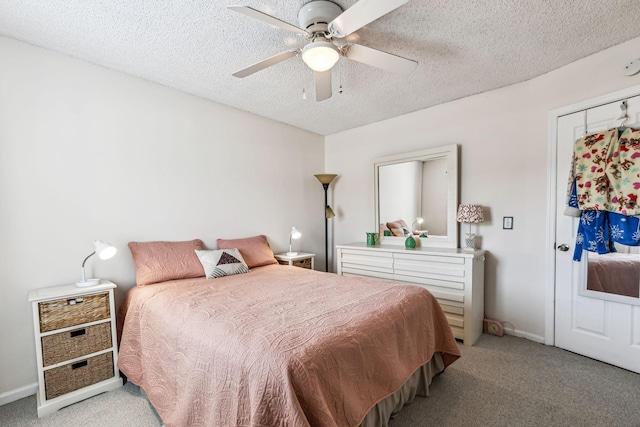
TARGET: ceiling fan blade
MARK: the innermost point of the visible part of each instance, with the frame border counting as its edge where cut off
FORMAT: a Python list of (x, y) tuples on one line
[(379, 59), (266, 63), (323, 84), (360, 14), (249, 11)]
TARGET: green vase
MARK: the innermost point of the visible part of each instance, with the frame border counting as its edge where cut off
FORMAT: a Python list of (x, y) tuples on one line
[(410, 242)]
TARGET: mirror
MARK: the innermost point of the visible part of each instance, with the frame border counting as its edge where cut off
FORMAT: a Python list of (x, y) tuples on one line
[(421, 184)]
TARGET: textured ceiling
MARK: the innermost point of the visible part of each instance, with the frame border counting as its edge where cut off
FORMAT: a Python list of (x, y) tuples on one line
[(463, 47)]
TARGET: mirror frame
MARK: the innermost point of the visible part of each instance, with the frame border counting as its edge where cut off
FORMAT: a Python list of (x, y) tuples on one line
[(448, 152)]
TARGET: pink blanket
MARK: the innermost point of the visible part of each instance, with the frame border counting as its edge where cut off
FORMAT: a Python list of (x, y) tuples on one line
[(280, 346)]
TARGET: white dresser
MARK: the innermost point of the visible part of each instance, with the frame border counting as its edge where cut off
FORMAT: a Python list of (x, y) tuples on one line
[(454, 276)]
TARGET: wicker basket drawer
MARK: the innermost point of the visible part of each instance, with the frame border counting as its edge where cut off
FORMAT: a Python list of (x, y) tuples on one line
[(304, 263), (74, 311), (67, 378), (69, 345)]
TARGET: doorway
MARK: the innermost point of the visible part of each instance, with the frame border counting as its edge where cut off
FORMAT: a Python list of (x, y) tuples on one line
[(598, 323)]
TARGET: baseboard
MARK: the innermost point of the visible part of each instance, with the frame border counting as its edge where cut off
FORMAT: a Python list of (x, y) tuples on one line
[(525, 335), (18, 393)]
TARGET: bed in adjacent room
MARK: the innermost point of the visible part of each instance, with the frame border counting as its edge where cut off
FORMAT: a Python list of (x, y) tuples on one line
[(614, 273), (278, 345)]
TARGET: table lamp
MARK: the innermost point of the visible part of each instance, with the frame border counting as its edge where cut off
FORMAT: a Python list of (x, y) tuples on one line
[(295, 234), (104, 251), (470, 214)]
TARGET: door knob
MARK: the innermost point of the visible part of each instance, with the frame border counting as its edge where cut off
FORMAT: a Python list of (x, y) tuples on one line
[(563, 247)]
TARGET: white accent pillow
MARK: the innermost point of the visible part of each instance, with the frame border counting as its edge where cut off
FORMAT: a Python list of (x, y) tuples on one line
[(222, 262)]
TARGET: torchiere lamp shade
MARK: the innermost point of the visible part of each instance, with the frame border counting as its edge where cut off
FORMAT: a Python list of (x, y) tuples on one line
[(325, 178)]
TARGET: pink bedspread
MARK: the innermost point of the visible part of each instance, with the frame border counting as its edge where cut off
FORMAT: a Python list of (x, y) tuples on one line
[(280, 346)]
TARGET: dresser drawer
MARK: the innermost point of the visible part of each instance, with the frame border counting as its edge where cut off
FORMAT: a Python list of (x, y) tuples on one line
[(453, 297), (433, 267), (430, 259), (77, 343), (73, 376), (458, 333), (64, 313), (451, 307), (365, 259), (430, 282), (372, 274), (455, 320)]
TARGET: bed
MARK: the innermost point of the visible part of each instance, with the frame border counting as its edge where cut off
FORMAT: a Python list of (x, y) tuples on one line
[(614, 273), (281, 346)]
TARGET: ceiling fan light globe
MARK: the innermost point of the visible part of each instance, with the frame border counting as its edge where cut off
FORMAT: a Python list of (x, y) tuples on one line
[(320, 56)]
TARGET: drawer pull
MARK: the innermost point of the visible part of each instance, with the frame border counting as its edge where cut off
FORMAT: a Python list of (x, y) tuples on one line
[(79, 365), (78, 333), (73, 301)]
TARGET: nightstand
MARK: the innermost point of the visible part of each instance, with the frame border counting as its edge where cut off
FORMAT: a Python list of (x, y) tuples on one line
[(76, 349), (301, 259)]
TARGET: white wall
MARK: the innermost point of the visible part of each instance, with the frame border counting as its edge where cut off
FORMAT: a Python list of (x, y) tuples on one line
[(87, 153), (503, 148)]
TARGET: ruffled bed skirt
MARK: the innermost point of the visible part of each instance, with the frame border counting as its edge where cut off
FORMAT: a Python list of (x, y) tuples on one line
[(417, 385)]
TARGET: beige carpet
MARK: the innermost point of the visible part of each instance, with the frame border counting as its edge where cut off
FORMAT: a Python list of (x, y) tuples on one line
[(508, 381), (501, 381)]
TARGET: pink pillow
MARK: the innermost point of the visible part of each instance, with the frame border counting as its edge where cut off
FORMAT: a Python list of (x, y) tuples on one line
[(161, 261), (255, 250)]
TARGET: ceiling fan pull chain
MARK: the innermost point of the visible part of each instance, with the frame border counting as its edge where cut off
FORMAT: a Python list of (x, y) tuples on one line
[(340, 76)]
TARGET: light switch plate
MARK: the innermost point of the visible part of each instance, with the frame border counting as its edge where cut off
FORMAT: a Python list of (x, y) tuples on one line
[(507, 222)]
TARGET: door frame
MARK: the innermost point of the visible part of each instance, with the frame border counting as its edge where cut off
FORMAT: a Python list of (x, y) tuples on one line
[(550, 257)]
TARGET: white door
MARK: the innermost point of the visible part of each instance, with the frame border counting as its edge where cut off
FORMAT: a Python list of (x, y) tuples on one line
[(600, 325)]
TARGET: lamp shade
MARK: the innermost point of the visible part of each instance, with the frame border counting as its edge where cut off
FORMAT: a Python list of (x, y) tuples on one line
[(470, 213), (328, 212), (325, 178), (104, 250), (295, 233), (320, 55)]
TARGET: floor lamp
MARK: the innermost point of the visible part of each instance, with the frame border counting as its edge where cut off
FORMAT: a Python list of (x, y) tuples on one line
[(325, 179)]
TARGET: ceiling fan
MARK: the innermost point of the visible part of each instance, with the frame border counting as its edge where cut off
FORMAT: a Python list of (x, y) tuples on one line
[(323, 23)]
